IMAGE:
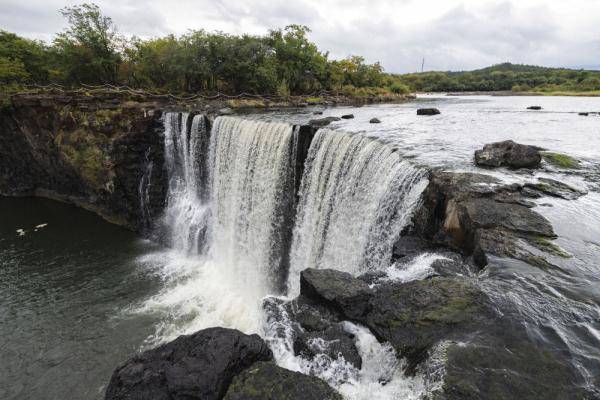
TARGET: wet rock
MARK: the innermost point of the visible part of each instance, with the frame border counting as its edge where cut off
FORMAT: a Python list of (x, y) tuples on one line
[(509, 154), (322, 122), (337, 290), (318, 112), (348, 116), (451, 267), (414, 316), (334, 342), (555, 188), (198, 366), (375, 121), (534, 107), (584, 114), (469, 213), (409, 245), (311, 315), (560, 160), (267, 381), (428, 111), (498, 365)]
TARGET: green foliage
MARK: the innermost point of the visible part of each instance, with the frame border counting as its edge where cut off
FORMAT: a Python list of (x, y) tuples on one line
[(283, 62), (87, 52), (506, 77)]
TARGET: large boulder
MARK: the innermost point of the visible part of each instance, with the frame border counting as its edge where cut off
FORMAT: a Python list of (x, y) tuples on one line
[(509, 154), (336, 289), (478, 216), (267, 381), (199, 366), (334, 342), (414, 316), (428, 111)]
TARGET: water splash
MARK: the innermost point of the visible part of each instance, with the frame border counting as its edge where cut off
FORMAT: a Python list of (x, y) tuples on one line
[(356, 196)]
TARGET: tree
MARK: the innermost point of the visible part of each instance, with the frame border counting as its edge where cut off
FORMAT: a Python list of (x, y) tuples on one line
[(87, 52)]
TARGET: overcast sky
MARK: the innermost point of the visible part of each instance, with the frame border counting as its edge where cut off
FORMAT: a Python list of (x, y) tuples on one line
[(449, 34)]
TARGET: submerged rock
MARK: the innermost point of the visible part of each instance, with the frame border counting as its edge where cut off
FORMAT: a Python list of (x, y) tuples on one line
[(560, 160), (375, 121), (509, 154), (555, 188), (267, 381), (199, 366), (348, 116), (428, 111), (584, 114), (322, 122), (334, 342), (534, 107)]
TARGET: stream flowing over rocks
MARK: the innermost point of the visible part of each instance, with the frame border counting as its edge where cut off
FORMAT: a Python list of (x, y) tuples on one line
[(303, 258)]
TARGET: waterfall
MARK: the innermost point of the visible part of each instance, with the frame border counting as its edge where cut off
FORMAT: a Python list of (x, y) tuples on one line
[(186, 215), (252, 183), (356, 196)]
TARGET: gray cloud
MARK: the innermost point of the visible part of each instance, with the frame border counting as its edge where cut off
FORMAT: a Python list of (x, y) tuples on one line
[(451, 35)]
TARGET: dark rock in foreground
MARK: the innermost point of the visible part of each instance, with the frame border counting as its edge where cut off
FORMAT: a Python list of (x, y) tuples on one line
[(428, 111), (322, 122), (199, 366), (534, 107), (267, 381), (348, 116), (509, 154), (338, 290)]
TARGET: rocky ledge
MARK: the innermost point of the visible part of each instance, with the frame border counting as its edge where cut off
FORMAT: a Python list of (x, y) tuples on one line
[(478, 216)]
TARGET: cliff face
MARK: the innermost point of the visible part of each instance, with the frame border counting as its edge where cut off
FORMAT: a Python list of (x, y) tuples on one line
[(90, 151)]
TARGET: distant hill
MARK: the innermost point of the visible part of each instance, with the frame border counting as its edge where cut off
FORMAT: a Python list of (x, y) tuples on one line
[(506, 76)]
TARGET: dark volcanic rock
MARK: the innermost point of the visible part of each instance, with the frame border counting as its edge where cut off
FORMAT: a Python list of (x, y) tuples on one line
[(375, 121), (333, 342), (336, 289), (499, 365), (534, 107), (428, 111), (476, 215), (199, 366), (267, 381), (414, 316), (347, 116), (509, 154), (321, 122)]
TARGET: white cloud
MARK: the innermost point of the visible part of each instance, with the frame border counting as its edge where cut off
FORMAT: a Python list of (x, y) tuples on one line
[(449, 34)]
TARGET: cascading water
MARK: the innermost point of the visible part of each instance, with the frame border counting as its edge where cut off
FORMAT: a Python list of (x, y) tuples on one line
[(228, 206), (185, 218), (356, 196), (229, 219)]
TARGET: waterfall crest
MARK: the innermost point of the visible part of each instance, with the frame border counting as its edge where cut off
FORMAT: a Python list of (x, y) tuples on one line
[(356, 196)]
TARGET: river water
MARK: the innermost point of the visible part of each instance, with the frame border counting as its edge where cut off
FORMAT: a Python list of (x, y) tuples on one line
[(78, 295)]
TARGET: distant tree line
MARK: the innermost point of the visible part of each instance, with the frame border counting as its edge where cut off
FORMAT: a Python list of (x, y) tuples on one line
[(91, 51), (515, 77)]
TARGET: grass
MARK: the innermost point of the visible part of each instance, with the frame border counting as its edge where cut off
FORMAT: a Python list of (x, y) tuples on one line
[(560, 160)]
